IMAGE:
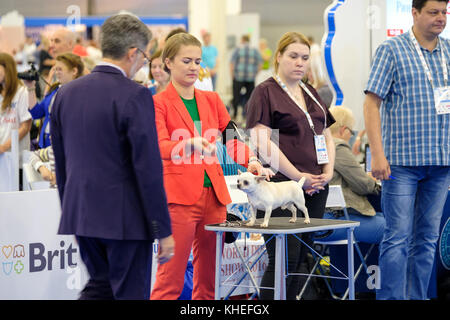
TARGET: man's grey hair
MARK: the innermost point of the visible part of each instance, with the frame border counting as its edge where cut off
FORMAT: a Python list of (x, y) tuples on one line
[(67, 34), (122, 32)]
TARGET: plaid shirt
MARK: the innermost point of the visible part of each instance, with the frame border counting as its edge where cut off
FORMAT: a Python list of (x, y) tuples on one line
[(413, 134), (246, 61)]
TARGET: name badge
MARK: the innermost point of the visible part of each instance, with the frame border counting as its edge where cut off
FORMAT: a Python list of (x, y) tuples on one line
[(442, 100), (321, 149)]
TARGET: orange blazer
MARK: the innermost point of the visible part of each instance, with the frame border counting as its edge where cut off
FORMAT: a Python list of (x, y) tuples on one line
[(184, 174)]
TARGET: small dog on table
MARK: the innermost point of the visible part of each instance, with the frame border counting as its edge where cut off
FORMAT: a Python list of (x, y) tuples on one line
[(264, 195)]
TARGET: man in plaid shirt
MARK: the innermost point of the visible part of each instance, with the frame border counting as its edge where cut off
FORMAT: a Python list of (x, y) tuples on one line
[(245, 64), (410, 145)]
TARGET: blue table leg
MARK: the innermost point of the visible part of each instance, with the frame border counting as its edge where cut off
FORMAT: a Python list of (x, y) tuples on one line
[(218, 264), (351, 280), (280, 272)]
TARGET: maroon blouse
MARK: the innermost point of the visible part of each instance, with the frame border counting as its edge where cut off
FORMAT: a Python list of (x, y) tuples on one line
[(271, 106)]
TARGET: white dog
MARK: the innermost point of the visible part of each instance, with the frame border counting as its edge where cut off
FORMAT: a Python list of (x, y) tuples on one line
[(264, 195)]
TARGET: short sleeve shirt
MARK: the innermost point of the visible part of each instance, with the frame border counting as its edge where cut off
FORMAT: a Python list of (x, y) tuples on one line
[(271, 106), (413, 133), (12, 117), (209, 56)]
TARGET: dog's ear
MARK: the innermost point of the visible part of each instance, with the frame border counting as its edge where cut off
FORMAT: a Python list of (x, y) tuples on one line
[(239, 171), (260, 178)]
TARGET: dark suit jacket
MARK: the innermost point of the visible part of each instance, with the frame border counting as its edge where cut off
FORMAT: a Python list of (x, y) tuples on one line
[(108, 164)]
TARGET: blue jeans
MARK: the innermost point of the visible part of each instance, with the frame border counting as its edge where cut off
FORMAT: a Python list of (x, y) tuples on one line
[(412, 204)]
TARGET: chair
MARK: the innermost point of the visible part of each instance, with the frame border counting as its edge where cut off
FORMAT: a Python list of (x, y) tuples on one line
[(336, 200)]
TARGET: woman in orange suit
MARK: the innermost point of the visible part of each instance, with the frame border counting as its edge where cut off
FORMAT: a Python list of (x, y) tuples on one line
[(188, 122)]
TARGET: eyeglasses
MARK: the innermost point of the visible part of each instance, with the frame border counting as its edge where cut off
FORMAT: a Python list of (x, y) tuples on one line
[(351, 131), (147, 60)]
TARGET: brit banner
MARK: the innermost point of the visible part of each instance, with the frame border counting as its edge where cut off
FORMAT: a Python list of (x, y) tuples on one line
[(35, 262)]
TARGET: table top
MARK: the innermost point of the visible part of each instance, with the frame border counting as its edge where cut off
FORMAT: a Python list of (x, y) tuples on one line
[(281, 225)]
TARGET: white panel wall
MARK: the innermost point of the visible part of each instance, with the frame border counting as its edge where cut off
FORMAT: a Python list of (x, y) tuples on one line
[(360, 28)]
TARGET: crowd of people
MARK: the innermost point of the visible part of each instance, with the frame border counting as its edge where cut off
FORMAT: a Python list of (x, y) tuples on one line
[(142, 103), (63, 50)]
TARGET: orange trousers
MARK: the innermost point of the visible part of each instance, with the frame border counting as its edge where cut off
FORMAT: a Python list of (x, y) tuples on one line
[(188, 230)]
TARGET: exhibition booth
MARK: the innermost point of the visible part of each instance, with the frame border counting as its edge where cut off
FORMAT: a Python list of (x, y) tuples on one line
[(37, 263)]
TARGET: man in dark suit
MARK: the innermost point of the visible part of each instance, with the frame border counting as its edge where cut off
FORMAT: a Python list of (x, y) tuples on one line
[(109, 170)]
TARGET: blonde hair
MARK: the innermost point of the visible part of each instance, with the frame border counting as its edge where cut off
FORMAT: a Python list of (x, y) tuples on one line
[(343, 116), (287, 39), (174, 43)]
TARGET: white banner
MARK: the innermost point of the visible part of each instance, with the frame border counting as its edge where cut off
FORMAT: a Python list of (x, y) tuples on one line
[(35, 262), (233, 268)]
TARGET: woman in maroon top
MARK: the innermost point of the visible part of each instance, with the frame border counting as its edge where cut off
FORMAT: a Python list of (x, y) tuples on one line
[(288, 122)]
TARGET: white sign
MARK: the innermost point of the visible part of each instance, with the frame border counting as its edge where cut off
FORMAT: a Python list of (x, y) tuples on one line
[(232, 268), (399, 18), (35, 262)]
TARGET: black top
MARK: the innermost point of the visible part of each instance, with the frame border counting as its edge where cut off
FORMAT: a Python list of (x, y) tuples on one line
[(271, 106), (44, 55)]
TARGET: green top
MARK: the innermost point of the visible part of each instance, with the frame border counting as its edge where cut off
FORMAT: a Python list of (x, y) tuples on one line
[(266, 63), (192, 108)]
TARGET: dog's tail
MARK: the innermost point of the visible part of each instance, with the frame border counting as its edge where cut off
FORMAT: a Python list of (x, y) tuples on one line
[(301, 182)]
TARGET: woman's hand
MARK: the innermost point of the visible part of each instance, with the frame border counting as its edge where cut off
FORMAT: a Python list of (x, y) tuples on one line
[(311, 180), (324, 179), (45, 173), (268, 173), (200, 146), (315, 183), (255, 167)]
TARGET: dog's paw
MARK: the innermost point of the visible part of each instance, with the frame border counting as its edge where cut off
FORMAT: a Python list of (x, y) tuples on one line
[(264, 225), (250, 223), (307, 221), (292, 220)]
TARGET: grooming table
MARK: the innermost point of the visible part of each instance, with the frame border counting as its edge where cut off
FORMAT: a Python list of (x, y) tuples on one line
[(280, 227)]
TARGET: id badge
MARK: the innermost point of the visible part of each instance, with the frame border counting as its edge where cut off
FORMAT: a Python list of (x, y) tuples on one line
[(321, 149), (442, 100)]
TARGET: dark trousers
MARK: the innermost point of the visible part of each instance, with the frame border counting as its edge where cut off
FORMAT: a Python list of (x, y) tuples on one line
[(118, 269), (296, 250), (239, 99)]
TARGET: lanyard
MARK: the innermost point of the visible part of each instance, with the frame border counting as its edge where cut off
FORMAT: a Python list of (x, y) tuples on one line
[(308, 116), (424, 63)]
